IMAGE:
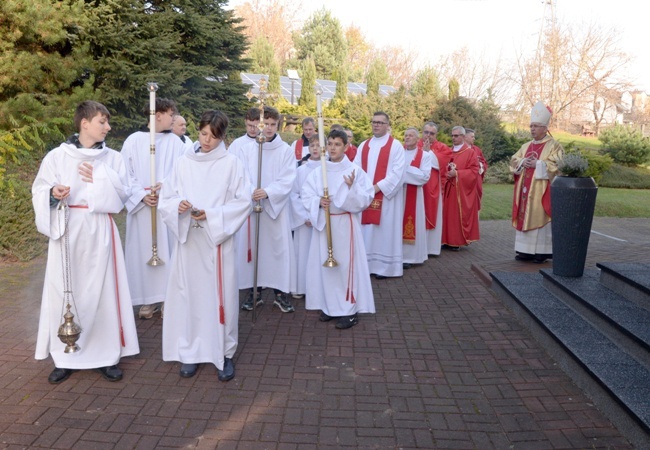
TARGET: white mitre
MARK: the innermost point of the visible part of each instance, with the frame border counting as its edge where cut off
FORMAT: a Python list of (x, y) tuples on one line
[(540, 114)]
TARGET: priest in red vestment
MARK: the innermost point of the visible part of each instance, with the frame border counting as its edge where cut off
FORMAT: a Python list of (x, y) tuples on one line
[(470, 136), (460, 204), (432, 190), (300, 147)]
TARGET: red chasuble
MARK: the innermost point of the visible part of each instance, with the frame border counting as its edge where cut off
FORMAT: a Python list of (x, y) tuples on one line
[(460, 204), (372, 214), (408, 224), (519, 205), (431, 189), (351, 152), (483, 161), (299, 149)]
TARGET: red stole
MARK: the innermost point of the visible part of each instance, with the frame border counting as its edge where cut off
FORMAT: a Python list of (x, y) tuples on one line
[(408, 224), (372, 214), (299, 149), (432, 188)]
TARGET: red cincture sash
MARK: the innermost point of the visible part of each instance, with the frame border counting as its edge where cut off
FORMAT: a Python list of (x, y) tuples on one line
[(299, 149), (372, 214), (408, 224), (349, 293), (117, 285)]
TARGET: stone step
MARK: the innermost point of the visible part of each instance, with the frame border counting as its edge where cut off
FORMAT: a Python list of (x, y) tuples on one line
[(622, 320), (631, 280), (607, 372)]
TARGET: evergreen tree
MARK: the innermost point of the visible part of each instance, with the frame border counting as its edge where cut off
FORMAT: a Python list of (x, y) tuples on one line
[(626, 145), (374, 77), (341, 77), (307, 91), (454, 89), (262, 55), (426, 83), (323, 40), (42, 64), (274, 80), (191, 48)]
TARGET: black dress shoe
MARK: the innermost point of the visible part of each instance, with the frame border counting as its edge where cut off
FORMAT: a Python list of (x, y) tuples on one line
[(112, 373), (228, 372), (325, 318), (188, 370), (406, 266), (346, 322), (380, 277), (58, 375), (524, 257)]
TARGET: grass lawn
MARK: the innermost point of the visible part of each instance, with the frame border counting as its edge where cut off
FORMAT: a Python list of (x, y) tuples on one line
[(583, 142), (497, 202)]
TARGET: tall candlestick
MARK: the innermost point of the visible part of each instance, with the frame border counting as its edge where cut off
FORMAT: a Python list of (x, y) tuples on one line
[(153, 87), (321, 138)]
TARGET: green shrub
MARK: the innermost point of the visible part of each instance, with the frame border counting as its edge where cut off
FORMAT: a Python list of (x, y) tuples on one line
[(619, 176), (598, 165), (19, 239), (626, 145), (499, 173)]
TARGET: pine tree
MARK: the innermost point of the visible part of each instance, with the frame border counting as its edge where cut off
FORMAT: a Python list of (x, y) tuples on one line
[(40, 60), (307, 92), (192, 48)]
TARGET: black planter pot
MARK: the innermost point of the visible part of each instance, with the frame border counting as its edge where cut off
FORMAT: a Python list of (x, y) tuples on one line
[(573, 201)]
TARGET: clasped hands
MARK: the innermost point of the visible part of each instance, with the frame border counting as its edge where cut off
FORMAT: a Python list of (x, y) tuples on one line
[(197, 214)]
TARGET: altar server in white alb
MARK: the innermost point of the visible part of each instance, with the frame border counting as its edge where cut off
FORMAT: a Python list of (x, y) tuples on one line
[(252, 121), (277, 260), (204, 201), (300, 223), (343, 291), (382, 158), (92, 181), (148, 283), (418, 171)]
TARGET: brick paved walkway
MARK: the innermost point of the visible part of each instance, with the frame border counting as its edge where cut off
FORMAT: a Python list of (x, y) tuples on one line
[(443, 364)]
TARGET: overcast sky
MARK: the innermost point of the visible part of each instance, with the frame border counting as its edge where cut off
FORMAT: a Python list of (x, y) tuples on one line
[(491, 27)]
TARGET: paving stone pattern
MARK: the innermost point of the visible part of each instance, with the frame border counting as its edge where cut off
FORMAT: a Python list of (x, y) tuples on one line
[(443, 364)]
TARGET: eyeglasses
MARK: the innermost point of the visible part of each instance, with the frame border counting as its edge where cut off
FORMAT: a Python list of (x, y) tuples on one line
[(429, 132), (374, 122), (456, 135)]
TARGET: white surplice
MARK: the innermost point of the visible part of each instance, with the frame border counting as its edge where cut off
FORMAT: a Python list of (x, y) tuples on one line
[(147, 283), (345, 289), (277, 262), (301, 231), (203, 278), (102, 303), (416, 253), (242, 141), (434, 236), (384, 241), (187, 142)]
